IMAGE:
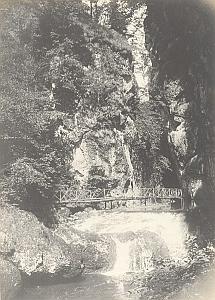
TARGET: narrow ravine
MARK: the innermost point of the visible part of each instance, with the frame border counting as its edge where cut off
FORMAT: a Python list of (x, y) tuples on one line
[(101, 99)]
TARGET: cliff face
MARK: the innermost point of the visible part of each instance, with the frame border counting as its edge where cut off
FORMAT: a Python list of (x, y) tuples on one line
[(74, 107), (114, 155), (124, 153), (173, 67), (117, 95), (183, 72)]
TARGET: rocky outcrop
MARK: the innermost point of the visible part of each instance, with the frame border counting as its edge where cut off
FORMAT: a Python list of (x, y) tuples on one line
[(35, 250), (10, 280), (44, 255), (103, 158)]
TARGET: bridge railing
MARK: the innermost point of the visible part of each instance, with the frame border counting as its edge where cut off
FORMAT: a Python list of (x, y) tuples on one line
[(70, 194)]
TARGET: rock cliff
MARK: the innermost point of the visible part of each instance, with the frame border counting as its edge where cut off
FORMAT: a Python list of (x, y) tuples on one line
[(182, 57), (117, 96)]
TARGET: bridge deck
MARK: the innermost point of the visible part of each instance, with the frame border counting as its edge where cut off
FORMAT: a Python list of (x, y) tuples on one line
[(71, 198), (99, 200)]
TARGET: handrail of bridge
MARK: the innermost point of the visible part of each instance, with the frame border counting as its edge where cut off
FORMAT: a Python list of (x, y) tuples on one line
[(70, 194)]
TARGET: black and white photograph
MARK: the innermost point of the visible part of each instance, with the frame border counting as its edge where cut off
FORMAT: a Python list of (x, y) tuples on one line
[(107, 149)]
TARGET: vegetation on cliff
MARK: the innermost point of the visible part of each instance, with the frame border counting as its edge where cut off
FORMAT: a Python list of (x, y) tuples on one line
[(68, 85), (63, 80), (68, 90), (61, 77)]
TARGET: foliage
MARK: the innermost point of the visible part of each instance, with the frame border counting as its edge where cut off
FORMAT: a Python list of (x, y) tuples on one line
[(151, 161), (37, 161), (62, 77)]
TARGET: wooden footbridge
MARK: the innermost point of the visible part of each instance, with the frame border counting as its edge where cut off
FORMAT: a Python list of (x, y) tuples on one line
[(164, 198)]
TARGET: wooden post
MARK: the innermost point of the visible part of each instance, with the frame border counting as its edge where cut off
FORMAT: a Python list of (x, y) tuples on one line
[(182, 203), (105, 205), (154, 196), (91, 9), (111, 204)]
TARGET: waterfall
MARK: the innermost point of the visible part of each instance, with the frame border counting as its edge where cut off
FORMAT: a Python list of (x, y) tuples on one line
[(128, 157), (131, 256), (132, 189), (122, 258), (140, 257)]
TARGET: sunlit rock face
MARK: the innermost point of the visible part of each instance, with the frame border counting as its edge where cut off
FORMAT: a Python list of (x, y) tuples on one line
[(89, 155), (111, 150), (103, 159), (96, 150)]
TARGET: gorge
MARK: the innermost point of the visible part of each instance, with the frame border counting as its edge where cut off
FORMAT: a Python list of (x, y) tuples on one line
[(115, 95)]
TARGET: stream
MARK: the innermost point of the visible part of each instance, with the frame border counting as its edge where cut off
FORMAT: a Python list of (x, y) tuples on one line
[(88, 287), (138, 238)]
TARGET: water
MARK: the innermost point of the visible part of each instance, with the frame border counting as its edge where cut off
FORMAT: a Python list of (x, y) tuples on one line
[(121, 265), (168, 227), (89, 287), (131, 256), (138, 237)]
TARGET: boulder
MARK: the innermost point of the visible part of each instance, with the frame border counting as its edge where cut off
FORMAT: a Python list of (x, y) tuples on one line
[(35, 249), (58, 261), (96, 251), (10, 280)]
